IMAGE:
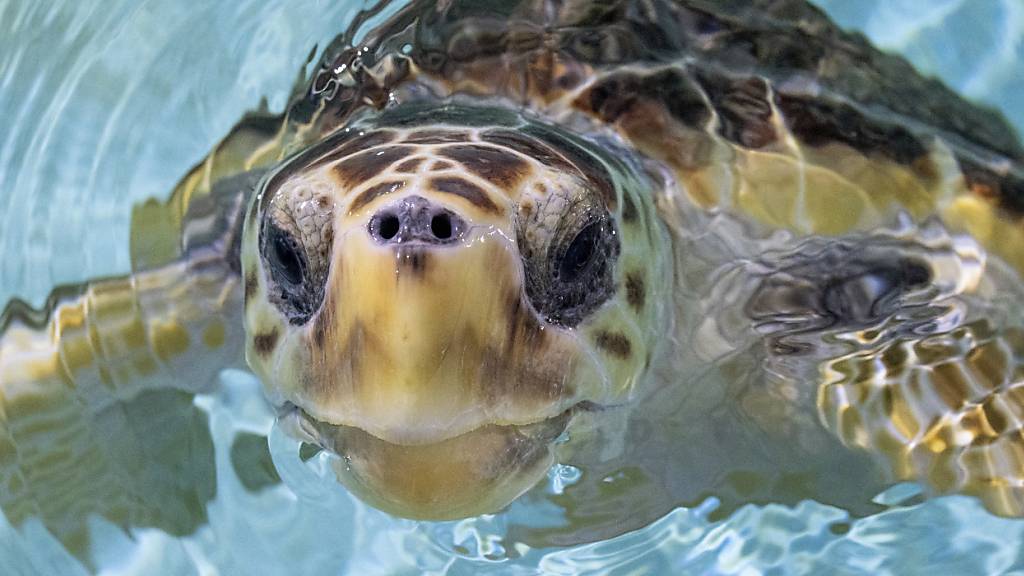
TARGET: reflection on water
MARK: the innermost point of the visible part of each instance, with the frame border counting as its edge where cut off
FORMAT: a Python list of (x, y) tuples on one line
[(85, 141)]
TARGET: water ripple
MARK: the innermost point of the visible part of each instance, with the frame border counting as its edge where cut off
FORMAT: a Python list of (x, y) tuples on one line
[(82, 140)]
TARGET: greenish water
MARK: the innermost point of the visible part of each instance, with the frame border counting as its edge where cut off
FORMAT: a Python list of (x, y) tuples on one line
[(107, 103)]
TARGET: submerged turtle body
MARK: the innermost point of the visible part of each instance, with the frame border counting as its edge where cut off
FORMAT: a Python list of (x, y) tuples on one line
[(721, 247)]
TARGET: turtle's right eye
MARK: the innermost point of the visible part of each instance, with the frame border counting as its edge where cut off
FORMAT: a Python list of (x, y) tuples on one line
[(580, 253), (296, 267)]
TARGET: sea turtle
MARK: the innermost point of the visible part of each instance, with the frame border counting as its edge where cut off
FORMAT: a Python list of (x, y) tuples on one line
[(691, 247)]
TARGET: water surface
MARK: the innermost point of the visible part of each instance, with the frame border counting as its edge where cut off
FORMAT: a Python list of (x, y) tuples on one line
[(106, 103)]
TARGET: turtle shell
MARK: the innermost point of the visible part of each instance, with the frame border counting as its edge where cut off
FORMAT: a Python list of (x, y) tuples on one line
[(722, 93), (761, 109)]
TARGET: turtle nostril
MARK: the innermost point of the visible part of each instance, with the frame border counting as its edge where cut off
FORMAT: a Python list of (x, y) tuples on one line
[(388, 226), (441, 226), (415, 219)]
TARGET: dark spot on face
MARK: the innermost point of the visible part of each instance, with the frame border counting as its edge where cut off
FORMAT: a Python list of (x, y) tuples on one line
[(467, 190), (410, 165), (636, 291), (437, 137), (251, 216), (323, 324), (322, 202), (412, 261), (629, 212), (354, 145), (524, 327), (355, 170), (373, 192), (251, 284), (265, 343), (614, 343), (497, 166)]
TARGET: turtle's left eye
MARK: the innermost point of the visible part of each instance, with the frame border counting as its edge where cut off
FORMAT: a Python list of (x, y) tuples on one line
[(569, 267), (287, 262)]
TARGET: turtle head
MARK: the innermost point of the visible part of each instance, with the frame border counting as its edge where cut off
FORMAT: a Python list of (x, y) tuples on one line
[(435, 303)]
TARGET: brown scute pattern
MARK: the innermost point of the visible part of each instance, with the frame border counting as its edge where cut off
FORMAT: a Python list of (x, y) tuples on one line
[(636, 291), (529, 147), (265, 342), (614, 343), (439, 165), (593, 171), (620, 93), (374, 192), (409, 166), (744, 112), (492, 164), (355, 145), (355, 170), (490, 50), (467, 190), (817, 123), (791, 38)]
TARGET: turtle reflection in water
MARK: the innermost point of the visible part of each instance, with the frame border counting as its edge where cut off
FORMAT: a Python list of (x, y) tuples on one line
[(696, 248)]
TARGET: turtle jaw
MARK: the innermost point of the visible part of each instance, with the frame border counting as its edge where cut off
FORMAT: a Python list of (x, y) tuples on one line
[(427, 371), (478, 472)]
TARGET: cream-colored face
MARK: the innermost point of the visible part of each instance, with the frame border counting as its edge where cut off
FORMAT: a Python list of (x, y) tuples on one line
[(435, 302)]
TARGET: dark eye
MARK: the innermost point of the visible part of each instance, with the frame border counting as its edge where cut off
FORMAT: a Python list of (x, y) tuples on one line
[(295, 287), (580, 253), (285, 255), (570, 271)]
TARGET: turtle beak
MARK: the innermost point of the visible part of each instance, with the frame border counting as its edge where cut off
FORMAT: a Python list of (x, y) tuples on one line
[(424, 335)]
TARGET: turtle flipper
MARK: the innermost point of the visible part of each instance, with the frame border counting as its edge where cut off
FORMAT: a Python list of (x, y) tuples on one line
[(96, 388), (917, 349), (946, 409), (96, 412)]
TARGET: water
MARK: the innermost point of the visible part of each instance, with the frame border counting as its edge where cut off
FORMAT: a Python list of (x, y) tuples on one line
[(84, 139)]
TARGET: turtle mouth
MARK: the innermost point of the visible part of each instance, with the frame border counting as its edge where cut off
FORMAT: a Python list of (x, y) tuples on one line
[(328, 436), (477, 472)]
